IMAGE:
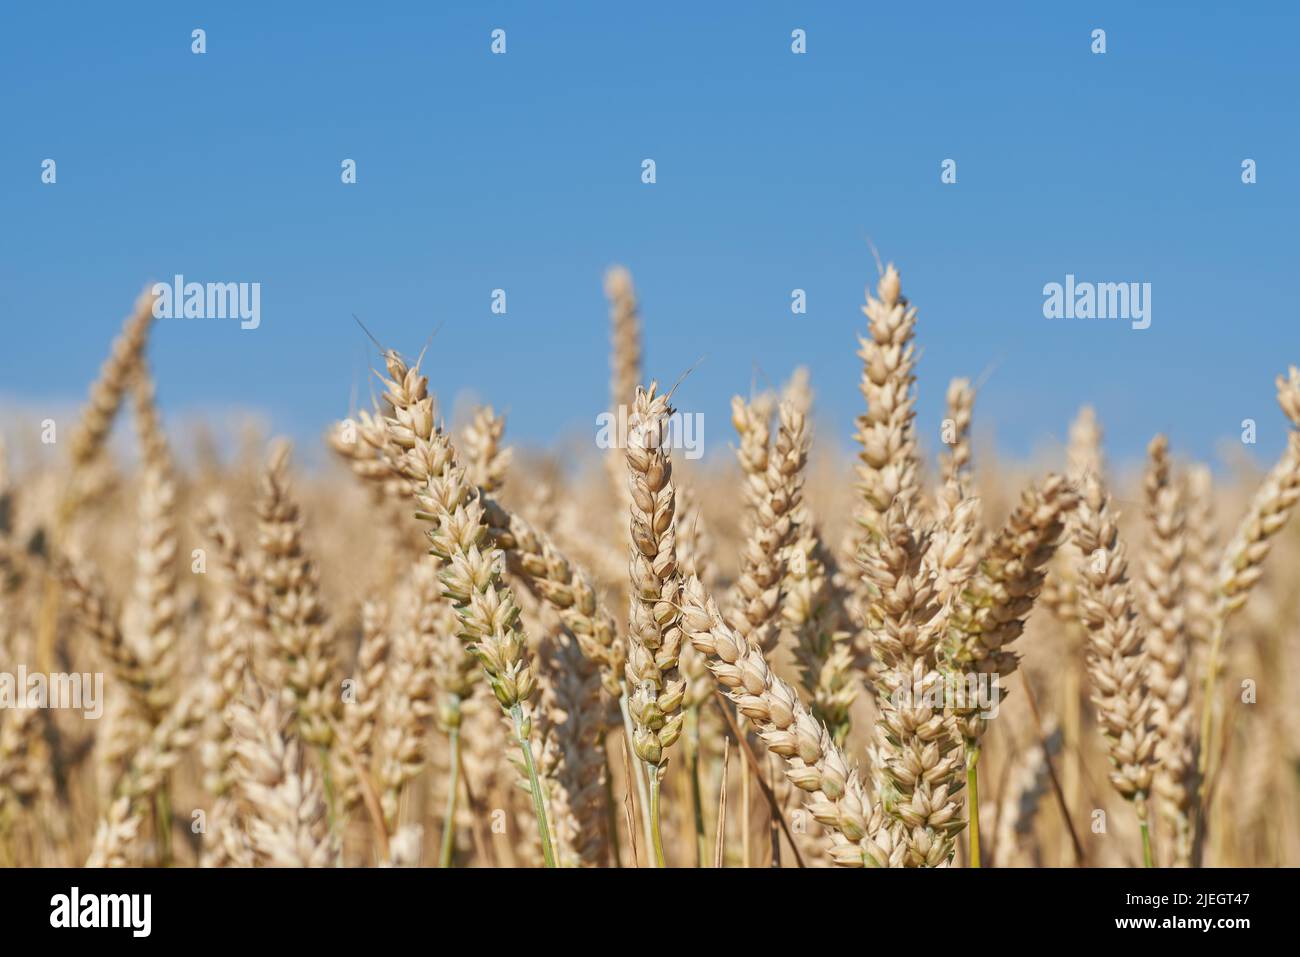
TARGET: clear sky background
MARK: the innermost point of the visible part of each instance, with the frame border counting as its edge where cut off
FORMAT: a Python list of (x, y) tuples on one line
[(522, 172)]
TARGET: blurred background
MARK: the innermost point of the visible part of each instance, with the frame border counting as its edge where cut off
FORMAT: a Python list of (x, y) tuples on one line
[(522, 172)]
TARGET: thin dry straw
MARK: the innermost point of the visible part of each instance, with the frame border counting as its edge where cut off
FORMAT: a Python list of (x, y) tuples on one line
[(720, 843), (765, 786), (1062, 804)]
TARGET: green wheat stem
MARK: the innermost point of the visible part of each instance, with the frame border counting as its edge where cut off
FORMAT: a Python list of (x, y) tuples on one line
[(1146, 839), (637, 771), (539, 809), (973, 801), (656, 838), (453, 786), (697, 796)]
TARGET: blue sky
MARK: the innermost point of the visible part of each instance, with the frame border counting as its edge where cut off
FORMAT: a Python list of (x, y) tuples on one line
[(522, 172)]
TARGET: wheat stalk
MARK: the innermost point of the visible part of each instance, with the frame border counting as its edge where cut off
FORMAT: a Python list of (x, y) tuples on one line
[(992, 605), (473, 566), (486, 462), (915, 755), (151, 617), (625, 339), (1163, 600), (94, 617), (571, 724), (888, 463), (358, 729), (283, 804), (954, 465), (1199, 564), (1117, 660), (225, 673), (1029, 782), (812, 610), (773, 491), (410, 705), (565, 587), (108, 391), (147, 774), (1242, 563), (296, 617), (655, 688), (837, 798)]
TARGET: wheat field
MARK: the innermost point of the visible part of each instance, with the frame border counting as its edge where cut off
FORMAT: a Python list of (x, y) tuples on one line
[(439, 652)]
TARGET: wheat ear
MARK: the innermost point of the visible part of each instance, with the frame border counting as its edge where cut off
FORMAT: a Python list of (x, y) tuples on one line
[(773, 492), (1163, 603), (1117, 659), (991, 608), (837, 798), (93, 615), (110, 388), (655, 687), (296, 617), (954, 464), (1243, 557), (146, 775), (473, 566), (572, 724), (409, 708), (152, 615), (530, 554), (1028, 784), (359, 724), (1199, 563), (812, 609), (486, 462), (915, 756), (888, 463), (283, 804)]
